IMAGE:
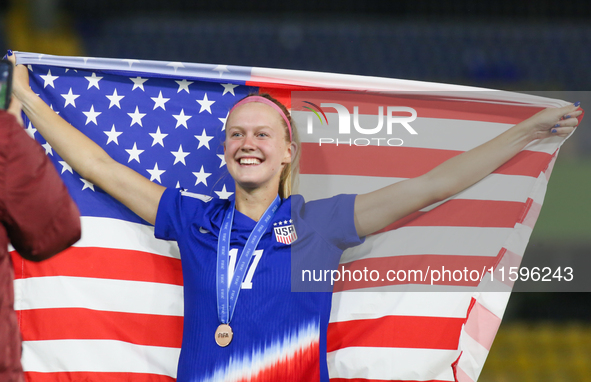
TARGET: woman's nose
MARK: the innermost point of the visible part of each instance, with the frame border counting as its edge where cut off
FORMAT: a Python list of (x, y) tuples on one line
[(248, 143)]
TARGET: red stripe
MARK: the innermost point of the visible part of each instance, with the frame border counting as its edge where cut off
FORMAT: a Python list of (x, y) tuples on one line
[(465, 213), (426, 106), (108, 263), (362, 273), (403, 162), (86, 324), (396, 332), (32, 376)]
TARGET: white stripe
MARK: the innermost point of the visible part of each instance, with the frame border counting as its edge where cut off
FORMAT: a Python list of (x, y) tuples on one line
[(473, 356), (99, 294), (510, 188), (432, 133), (467, 241), (348, 306), (388, 363), (98, 356), (517, 241), (495, 302), (119, 234)]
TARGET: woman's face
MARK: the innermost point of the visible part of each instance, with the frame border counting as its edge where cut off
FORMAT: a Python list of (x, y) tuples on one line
[(256, 148)]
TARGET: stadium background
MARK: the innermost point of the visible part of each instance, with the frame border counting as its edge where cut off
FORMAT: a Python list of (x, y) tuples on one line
[(528, 46)]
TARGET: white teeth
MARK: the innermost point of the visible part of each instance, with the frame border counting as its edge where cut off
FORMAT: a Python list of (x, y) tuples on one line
[(249, 161)]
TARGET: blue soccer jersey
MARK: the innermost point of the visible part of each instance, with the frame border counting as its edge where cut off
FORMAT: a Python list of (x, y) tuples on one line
[(279, 335)]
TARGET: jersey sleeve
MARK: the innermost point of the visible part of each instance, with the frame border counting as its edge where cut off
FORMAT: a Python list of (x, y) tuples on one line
[(333, 219), (176, 211)]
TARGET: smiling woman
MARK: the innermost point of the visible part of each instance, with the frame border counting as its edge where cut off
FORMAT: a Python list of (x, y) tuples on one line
[(261, 151), (241, 318)]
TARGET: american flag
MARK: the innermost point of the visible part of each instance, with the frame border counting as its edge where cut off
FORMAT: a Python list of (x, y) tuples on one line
[(110, 308)]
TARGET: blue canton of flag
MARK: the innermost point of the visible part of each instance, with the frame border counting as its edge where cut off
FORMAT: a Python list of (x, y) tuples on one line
[(170, 130)]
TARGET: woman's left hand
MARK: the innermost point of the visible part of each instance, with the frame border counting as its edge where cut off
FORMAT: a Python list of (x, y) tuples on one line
[(554, 122)]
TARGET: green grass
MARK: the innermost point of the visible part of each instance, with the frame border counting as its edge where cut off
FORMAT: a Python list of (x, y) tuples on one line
[(566, 213)]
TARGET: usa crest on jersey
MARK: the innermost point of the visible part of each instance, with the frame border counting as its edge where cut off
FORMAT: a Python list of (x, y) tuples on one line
[(285, 231)]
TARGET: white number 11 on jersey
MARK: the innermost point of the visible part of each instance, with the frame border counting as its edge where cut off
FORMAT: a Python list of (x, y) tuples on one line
[(247, 283)]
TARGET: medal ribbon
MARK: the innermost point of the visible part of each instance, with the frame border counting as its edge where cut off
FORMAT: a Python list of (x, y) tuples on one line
[(228, 290)]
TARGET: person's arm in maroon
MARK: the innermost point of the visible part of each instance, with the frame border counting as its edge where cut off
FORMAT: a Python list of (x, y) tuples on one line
[(39, 215)]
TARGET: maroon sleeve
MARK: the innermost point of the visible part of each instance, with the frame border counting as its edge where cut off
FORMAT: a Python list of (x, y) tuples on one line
[(38, 213)]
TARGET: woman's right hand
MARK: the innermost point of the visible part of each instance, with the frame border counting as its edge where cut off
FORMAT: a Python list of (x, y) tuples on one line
[(87, 158), (20, 78)]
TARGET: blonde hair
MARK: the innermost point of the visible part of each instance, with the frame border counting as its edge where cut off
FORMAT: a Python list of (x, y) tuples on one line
[(290, 173)]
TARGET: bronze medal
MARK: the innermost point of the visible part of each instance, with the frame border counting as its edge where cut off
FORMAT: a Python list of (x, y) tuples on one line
[(223, 335)]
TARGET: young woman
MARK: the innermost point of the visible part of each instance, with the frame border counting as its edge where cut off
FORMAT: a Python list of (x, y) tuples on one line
[(242, 322)]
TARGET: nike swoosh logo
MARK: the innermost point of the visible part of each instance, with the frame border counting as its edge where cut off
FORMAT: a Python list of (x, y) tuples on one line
[(203, 230)]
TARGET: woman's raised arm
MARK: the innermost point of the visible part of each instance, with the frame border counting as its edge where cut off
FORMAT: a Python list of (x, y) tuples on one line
[(378, 209), (86, 157)]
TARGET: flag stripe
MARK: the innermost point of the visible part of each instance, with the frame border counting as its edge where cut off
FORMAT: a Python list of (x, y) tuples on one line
[(439, 134), (510, 188), (464, 213), (426, 105), (69, 376), (98, 356), (368, 362), (409, 332), (99, 294), (405, 162), (355, 305), (120, 234), (419, 241), (73, 323), (106, 263)]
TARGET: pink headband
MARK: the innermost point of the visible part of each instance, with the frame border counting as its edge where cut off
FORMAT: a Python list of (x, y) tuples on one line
[(266, 102)]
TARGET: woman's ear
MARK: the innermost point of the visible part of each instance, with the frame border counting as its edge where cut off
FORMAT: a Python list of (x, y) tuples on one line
[(292, 149)]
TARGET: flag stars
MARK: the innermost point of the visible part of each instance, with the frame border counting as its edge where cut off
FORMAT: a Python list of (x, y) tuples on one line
[(223, 121), (31, 130), (130, 62), (138, 82), (205, 104), (70, 98), (66, 167), (93, 81), (113, 135), (224, 194), (221, 69), (115, 98), (48, 150), (91, 115), (184, 85), (181, 119), (179, 156), (136, 117), (203, 140), (223, 160), (201, 176), (134, 153), (176, 65), (228, 88), (158, 137), (160, 101), (48, 79), (87, 184), (155, 173)]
